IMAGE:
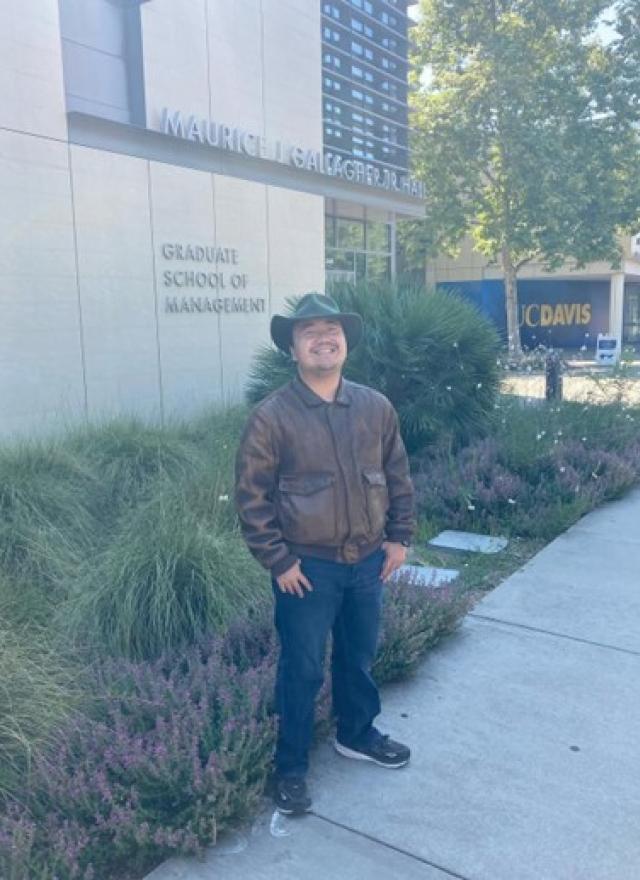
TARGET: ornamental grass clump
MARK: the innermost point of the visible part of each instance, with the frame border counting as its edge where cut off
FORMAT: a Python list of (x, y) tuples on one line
[(38, 693), (431, 353), (173, 753), (45, 520), (171, 570), (127, 456)]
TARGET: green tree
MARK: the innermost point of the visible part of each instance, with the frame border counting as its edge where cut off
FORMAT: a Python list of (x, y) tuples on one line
[(524, 135)]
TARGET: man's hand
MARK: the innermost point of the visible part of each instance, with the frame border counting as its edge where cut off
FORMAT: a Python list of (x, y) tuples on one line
[(396, 555), (293, 581)]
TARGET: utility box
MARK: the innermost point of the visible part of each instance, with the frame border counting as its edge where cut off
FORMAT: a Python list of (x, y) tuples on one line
[(607, 349)]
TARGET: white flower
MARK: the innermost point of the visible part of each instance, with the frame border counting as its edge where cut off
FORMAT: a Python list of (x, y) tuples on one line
[(511, 501), (562, 469), (584, 439), (471, 506), (223, 497), (448, 387), (479, 385), (455, 344), (559, 433)]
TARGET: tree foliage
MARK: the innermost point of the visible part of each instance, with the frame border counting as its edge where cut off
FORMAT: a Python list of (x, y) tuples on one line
[(525, 133)]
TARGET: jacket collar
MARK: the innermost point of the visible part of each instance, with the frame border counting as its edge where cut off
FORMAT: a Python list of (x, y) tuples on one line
[(312, 399)]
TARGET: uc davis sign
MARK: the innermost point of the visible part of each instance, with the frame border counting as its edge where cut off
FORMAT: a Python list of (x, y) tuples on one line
[(563, 313), (560, 313)]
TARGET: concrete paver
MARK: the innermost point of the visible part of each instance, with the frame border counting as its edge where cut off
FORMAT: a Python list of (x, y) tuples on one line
[(313, 849), (496, 789), (524, 726), (585, 584)]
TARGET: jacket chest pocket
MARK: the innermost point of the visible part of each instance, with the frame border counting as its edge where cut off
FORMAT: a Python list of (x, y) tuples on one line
[(377, 500), (306, 506)]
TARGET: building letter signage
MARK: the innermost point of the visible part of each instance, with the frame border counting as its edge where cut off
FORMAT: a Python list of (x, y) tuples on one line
[(206, 278), (245, 143), (562, 314)]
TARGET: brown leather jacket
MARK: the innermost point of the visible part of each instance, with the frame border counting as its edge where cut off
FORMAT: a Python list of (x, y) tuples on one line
[(322, 479)]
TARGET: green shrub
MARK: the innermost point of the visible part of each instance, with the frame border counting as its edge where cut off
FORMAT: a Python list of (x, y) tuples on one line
[(431, 353), (415, 618), (542, 468)]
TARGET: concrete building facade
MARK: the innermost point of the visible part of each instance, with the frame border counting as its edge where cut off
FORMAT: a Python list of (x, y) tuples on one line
[(164, 180)]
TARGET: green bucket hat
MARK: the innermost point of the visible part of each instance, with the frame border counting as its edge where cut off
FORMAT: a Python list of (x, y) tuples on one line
[(315, 305)]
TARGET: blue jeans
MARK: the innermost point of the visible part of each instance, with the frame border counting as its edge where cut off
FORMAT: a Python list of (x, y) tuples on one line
[(346, 599)]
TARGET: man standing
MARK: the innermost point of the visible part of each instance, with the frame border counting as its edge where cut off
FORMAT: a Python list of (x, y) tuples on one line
[(326, 505)]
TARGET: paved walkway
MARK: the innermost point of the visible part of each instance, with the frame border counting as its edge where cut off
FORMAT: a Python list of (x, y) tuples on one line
[(525, 729)]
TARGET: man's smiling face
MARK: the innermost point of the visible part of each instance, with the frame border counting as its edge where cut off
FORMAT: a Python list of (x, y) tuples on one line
[(319, 346)]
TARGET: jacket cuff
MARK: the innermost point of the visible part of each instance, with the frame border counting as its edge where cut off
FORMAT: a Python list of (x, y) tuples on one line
[(396, 536), (283, 565)]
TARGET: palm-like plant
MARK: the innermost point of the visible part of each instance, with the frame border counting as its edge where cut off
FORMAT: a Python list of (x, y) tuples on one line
[(431, 353)]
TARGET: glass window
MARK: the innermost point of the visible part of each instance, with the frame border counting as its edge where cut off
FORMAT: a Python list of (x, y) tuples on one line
[(350, 233), (378, 267), (343, 260), (329, 231), (631, 327), (378, 236), (361, 267)]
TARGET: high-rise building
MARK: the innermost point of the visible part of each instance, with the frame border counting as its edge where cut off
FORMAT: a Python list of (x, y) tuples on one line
[(365, 48)]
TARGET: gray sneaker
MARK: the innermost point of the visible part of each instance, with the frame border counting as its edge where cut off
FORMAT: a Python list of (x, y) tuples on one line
[(382, 750), (290, 795)]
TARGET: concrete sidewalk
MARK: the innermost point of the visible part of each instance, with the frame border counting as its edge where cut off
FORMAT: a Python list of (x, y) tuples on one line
[(525, 730)]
